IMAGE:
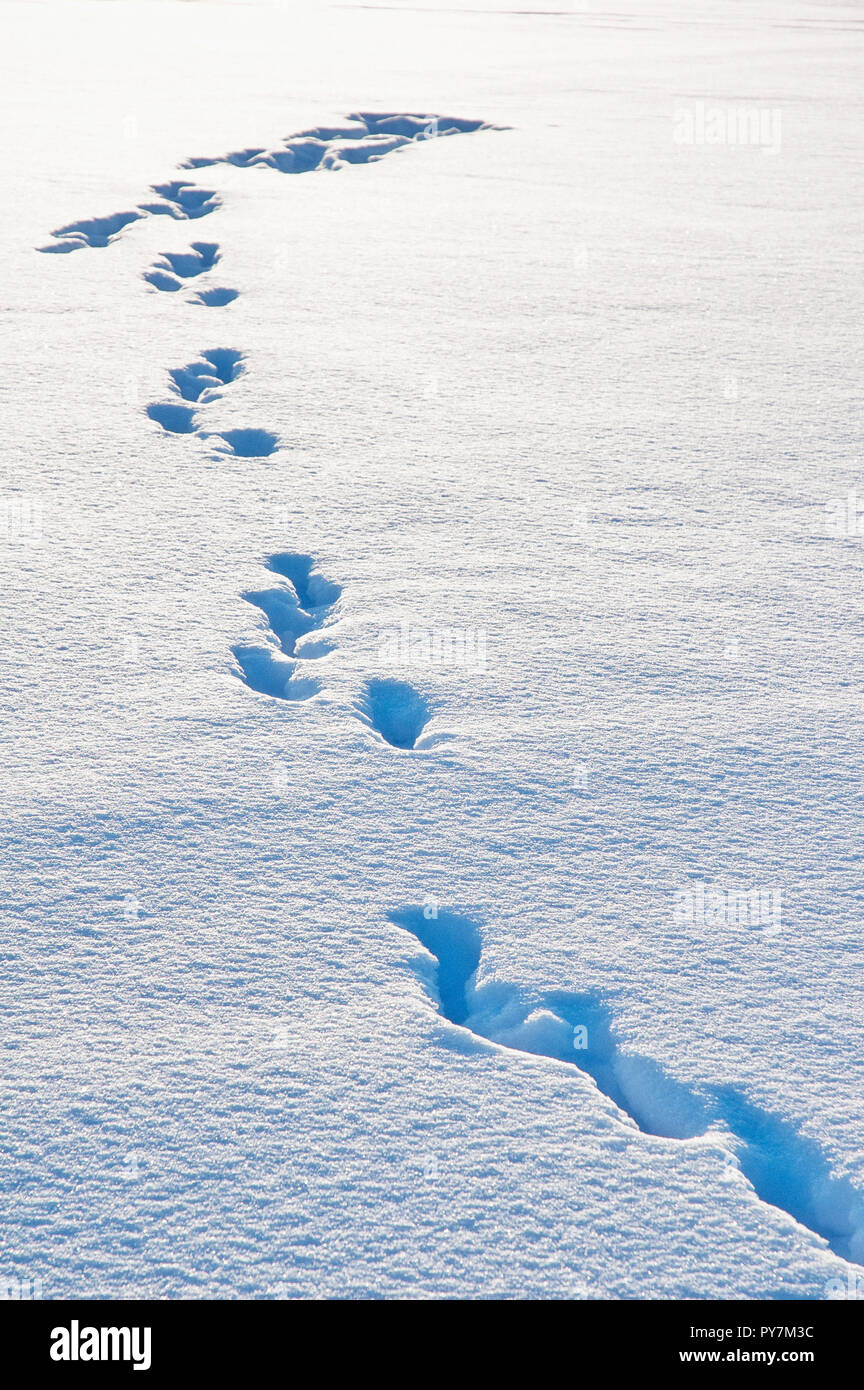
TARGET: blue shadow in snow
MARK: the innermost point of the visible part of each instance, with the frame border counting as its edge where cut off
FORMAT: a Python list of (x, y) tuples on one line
[(455, 943), (785, 1169), (176, 419), (251, 444), (395, 710)]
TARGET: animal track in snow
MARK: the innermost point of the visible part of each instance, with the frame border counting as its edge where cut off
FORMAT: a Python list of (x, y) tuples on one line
[(363, 138), (395, 710), (785, 1169), (299, 604)]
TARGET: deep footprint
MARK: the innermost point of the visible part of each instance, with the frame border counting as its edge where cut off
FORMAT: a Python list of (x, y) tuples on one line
[(250, 444), (789, 1171), (176, 266), (199, 383), (214, 299), (179, 199), (218, 367), (182, 200), (395, 710), (268, 673), (176, 419), (313, 591), (301, 605), (785, 1169), (362, 138), (94, 231)]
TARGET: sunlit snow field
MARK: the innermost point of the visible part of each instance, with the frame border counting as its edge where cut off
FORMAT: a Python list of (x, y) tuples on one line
[(431, 519)]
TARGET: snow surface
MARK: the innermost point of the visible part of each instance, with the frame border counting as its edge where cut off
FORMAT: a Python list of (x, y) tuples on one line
[(325, 974)]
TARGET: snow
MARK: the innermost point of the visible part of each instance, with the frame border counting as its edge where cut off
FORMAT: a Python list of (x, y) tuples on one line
[(345, 956)]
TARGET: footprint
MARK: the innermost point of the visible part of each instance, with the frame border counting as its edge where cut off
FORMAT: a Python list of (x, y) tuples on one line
[(161, 281), (789, 1171), (362, 138), (786, 1170), (268, 673), (312, 589), (94, 231), (455, 943), (176, 419), (183, 201), (293, 609), (250, 444), (214, 299), (199, 382), (240, 158), (178, 199), (176, 266), (300, 606), (395, 710), (218, 367)]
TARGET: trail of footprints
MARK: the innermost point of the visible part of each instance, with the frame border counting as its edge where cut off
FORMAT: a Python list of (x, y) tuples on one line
[(296, 609), (363, 138), (174, 269), (180, 199), (200, 382), (299, 606), (301, 601), (784, 1169)]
